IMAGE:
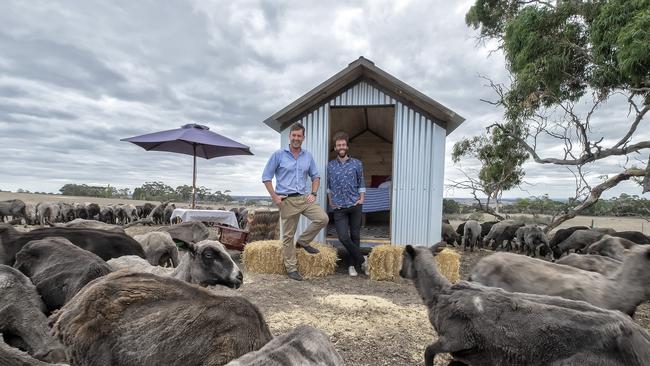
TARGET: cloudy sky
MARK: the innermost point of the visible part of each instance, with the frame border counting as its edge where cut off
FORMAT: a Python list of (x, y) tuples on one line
[(76, 76)]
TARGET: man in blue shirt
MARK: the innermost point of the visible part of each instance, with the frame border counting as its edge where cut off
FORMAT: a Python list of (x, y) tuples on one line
[(346, 192), (291, 166)]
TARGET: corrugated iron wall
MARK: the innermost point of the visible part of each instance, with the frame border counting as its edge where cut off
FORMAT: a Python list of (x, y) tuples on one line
[(418, 178), (418, 164)]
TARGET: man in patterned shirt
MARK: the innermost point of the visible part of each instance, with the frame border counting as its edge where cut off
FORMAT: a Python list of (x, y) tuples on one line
[(346, 192)]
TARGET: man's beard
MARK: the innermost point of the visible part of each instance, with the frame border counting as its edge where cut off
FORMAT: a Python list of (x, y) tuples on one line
[(342, 153), (296, 144)]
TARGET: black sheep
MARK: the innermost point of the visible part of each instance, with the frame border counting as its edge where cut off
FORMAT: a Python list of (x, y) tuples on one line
[(105, 244)]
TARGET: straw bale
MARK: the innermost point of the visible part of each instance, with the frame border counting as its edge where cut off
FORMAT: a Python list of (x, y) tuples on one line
[(385, 262), (448, 261), (265, 256), (317, 265)]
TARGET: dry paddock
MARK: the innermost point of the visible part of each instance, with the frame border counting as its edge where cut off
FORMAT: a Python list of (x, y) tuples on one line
[(369, 322)]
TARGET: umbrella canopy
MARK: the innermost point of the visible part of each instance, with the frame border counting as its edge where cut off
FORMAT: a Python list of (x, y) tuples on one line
[(191, 139)]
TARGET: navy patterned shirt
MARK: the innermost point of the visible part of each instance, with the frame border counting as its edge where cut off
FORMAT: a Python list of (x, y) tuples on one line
[(345, 181)]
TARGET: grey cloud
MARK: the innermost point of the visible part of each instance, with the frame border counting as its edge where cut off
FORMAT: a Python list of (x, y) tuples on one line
[(10, 91), (56, 63), (38, 112), (78, 76)]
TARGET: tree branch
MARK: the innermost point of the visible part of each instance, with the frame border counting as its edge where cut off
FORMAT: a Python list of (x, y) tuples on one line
[(541, 2), (583, 159), (635, 124), (595, 194), (473, 186)]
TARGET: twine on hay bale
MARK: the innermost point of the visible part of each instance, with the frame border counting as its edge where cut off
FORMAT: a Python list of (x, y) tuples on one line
[(265, 256), (385, 261)]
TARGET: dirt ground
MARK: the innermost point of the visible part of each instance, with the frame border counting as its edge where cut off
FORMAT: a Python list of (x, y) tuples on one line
[(369, 322)]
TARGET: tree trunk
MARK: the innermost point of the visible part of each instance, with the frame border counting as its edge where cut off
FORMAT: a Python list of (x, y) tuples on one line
[(595, 194), (486, 208), (646, 180)]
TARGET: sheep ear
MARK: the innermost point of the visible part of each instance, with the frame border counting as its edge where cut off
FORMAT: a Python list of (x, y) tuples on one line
[(410, 250)]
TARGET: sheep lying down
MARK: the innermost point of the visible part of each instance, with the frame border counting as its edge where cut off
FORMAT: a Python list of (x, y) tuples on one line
[(206, 263), (305, 346)]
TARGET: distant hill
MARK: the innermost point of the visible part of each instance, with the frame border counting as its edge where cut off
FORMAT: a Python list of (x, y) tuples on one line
[(462, 200), (254, 198), (506, 201)]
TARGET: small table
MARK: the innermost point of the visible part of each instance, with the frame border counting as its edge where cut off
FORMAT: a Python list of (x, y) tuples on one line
[(216, 216)]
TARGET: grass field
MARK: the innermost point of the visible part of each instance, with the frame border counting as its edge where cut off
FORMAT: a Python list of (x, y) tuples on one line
[(616, 223)]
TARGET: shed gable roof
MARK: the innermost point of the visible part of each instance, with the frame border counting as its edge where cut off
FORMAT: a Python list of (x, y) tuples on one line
[(364, 69)]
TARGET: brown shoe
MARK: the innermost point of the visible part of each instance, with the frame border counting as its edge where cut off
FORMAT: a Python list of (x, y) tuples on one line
[(295, 276), (311, 250), (308, 248)]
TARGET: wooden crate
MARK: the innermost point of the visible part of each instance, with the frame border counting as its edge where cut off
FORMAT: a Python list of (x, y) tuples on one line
[(232, 238)]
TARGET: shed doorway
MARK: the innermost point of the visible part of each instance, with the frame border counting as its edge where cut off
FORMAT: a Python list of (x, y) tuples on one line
[(371, 140)]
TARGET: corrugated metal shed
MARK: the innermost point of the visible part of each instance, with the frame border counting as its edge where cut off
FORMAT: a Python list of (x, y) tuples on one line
[(418, 144)]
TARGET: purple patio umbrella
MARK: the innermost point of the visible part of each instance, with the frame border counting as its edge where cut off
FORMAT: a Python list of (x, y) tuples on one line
[(191, 139)]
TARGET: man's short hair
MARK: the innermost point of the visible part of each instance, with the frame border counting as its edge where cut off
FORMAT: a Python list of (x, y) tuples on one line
[(341, 136), (297, 126)]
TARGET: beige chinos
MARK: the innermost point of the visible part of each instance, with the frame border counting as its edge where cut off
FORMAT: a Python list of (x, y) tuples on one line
[(290, 210)]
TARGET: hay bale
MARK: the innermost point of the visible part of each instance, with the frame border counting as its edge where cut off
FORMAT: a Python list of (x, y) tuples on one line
[(265, 256), (317, 265), (448, 261), (385, 261)]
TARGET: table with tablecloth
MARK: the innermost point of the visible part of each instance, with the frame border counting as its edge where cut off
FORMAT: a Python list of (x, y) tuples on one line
[(216, 216)]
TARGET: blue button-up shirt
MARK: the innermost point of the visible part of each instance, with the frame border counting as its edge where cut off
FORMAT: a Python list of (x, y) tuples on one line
[(345, 181), (290, 173)]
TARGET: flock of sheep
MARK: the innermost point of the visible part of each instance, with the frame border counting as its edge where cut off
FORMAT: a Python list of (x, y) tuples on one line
[(48, 213), (567, 309), (113, 299), (531, 240), (51, 213), (89, 294)]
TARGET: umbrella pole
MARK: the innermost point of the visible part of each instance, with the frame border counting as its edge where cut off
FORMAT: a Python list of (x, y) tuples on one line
[(194, 179)]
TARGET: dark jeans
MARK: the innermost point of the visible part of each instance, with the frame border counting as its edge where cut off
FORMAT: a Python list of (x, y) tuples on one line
[(348, 228)]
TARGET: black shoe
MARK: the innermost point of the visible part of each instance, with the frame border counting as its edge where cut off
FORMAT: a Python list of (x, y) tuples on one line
[(309, 249), (295, 276)]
